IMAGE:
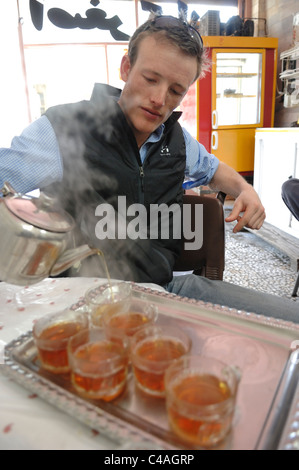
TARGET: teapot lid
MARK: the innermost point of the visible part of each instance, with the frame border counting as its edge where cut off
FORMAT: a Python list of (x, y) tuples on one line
[(40, 213)]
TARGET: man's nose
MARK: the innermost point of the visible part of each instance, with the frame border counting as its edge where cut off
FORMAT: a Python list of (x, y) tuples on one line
[(159, 96)]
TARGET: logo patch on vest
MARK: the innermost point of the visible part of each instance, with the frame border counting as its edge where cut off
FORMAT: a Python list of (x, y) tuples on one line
[(165, 152)]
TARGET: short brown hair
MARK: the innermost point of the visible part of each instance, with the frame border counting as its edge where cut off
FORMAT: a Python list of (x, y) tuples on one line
[(178, 33)]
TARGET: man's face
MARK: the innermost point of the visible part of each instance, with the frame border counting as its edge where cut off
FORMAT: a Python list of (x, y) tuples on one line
[(155, 85)]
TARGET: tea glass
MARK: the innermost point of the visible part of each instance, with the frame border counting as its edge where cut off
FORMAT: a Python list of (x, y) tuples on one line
[(99, 366), (51, 334), (200, 399), (140, 313), (114, 298), (153, 349)]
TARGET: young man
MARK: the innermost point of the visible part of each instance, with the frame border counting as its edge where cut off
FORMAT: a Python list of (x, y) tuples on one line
[(129, 146)]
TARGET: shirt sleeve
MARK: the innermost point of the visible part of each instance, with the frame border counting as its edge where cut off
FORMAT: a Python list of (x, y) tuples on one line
[(33, 160), (200, 164)]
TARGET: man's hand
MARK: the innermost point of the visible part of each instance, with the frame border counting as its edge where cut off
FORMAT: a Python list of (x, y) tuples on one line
[(248, 211)]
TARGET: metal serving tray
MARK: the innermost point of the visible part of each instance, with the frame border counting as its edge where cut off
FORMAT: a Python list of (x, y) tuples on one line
[(267, 413)]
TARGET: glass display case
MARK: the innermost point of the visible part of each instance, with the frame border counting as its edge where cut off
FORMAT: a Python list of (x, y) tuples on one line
[(238, 88), (236, 97)]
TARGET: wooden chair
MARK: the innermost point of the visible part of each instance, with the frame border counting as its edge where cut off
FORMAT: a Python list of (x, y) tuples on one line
[(209, 260)]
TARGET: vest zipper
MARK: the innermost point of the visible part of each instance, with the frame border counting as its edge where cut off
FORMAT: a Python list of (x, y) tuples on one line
[(141, 173), (141, 187)]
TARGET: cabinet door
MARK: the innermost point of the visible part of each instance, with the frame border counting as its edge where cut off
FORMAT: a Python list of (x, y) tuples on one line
[(235, 147), (237, 88)]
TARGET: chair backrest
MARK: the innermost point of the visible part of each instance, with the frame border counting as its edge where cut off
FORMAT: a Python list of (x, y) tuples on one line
[(209, 260)]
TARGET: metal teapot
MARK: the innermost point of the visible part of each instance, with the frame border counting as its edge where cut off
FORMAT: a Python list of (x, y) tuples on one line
[(34, 239)]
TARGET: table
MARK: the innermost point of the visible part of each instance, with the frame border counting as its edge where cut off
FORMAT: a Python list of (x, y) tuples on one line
[(259, 346), (26, 421)]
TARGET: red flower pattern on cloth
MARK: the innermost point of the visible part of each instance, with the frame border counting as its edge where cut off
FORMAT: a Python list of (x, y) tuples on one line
[(7, 428)]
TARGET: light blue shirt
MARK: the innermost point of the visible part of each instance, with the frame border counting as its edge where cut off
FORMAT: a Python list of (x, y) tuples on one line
[(34, 161)]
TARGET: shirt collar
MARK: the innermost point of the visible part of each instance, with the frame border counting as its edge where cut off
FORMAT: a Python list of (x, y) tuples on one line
[(156, 135)]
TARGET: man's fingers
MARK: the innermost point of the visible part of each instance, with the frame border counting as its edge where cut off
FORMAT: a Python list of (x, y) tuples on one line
[(254, 222)]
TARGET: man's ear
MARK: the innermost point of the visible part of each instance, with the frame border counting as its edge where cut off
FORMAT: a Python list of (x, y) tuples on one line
[(125, 68)]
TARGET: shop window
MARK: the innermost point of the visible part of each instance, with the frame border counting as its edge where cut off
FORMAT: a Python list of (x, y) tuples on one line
[(70, 45), (68, 73)]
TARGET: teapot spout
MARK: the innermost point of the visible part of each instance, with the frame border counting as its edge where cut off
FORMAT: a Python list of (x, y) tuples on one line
[(71, 257)]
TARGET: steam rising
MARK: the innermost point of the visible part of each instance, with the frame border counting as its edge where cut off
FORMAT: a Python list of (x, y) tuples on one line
[(79, 127)]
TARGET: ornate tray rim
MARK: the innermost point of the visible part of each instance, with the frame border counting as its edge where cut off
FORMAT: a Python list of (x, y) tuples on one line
[(120, 432)]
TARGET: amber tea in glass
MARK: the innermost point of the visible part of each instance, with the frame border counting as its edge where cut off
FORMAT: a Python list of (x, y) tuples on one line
[(99, 365), (153, 349), (114, 298), (200, 399), (51, 334), (140, 314)]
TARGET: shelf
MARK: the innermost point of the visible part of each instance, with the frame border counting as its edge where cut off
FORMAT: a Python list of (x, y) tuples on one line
[(289, 74), (236, 75), (291, 54), (234, 95)]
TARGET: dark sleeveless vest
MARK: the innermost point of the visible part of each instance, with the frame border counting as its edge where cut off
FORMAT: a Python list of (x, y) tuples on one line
[(101, 162)]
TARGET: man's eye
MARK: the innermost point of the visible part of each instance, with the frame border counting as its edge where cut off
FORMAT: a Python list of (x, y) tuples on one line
[(175, 92), (150, 80)]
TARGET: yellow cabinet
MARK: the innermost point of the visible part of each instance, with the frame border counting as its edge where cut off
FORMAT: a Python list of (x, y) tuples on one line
[(234, 147)]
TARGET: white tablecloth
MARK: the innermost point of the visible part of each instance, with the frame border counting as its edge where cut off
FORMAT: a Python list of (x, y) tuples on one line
[(26, 421)]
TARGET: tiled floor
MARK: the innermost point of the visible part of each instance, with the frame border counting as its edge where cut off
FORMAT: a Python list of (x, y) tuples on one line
[(252, 262)]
